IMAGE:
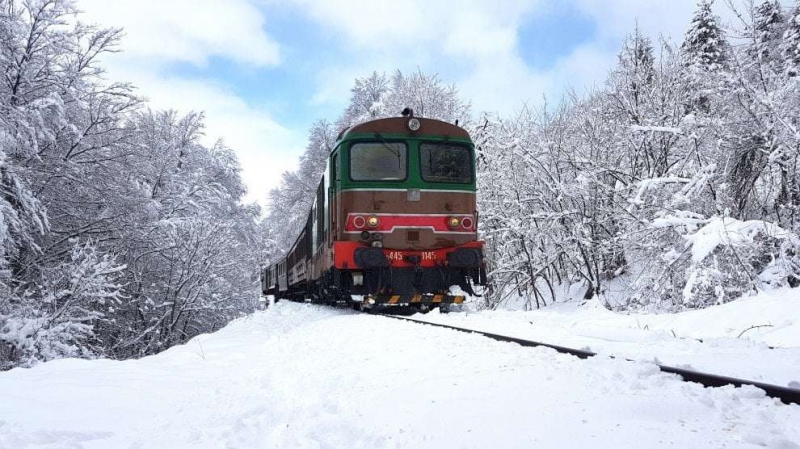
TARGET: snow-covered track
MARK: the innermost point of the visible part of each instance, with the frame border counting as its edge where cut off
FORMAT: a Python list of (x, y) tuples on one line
[(784, 394)]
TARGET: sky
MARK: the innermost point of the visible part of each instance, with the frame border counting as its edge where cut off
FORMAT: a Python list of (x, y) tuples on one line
[(263, 71)]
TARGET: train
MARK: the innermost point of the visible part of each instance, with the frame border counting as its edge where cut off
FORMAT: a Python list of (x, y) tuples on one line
[(393, 224)]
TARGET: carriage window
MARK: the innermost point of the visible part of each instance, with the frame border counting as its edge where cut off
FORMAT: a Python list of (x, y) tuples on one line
[(378, 161), (445, 163)]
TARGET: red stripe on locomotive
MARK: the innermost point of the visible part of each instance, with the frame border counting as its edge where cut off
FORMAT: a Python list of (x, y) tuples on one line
[(357, 222), (344, 259)]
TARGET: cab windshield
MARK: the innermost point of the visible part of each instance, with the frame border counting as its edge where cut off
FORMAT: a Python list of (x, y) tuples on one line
[(445, 162), (378, 161)]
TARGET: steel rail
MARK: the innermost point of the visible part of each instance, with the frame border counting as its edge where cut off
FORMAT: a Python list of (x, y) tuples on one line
[(786, 395)]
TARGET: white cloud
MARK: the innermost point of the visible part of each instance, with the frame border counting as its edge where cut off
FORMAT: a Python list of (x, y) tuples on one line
[(334, 83), (481, 31), (655, 17), (482, 37), (386, 36), (187, 30), (465, 28), (265, 148), (503, 82), (160, 32)]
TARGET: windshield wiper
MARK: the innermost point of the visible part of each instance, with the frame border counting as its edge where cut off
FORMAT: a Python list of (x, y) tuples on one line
[(394, 151)]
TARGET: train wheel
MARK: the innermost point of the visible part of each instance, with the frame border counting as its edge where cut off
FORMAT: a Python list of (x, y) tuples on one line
[(324, 297)]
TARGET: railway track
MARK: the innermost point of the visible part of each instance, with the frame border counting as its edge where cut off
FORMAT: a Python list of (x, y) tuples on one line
[(784, 394)]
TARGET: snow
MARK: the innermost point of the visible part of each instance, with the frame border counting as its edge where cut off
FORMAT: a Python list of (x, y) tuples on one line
[(663, 129), (755, 338), (679, 218), (730, 231), (300, 375), (647, 185)]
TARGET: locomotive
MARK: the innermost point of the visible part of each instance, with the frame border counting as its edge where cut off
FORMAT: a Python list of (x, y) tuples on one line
[(393, 224)]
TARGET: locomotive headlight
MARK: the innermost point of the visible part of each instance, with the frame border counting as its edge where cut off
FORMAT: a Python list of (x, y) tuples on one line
[(414, 124), (359, 222), (454, 222), (373, 222)]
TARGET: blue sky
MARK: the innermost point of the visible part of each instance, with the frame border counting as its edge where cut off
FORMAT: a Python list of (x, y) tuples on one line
[(553, 34), (264, 70)]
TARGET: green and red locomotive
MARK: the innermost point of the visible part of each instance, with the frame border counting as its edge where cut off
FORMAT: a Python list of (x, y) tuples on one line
[(394, 222)]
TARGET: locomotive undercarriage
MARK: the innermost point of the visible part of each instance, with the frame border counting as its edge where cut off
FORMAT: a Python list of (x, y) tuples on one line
[(411, 289), (391, 287)]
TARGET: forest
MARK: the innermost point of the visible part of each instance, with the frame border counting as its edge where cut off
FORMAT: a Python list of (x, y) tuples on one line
[(121, 234)]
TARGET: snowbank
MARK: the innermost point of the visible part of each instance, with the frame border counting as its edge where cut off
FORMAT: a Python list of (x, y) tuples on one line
[(733, 339)]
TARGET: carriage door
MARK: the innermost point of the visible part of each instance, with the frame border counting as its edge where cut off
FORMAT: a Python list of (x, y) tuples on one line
[(332, 200)]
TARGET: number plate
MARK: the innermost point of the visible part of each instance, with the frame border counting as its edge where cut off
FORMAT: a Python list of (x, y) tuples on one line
[(428, 255), (425, 256)]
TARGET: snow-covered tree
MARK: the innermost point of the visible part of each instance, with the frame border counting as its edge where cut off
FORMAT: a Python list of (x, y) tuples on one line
[(190, 266), (791, 42), (109, 214), (767, 27), (704, 44), (367, 100)]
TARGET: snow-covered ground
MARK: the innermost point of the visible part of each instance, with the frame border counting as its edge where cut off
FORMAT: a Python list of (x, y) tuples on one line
[(306, 376), (755, 338)]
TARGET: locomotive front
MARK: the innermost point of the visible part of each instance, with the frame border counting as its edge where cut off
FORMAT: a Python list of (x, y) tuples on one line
[(404, 213)]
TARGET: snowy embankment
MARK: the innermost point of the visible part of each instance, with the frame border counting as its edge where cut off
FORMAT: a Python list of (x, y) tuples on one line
[(306, 376), (755, 338)]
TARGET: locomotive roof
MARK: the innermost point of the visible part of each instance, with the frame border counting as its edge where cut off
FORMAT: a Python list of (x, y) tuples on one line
[(399, 125)]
